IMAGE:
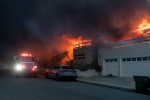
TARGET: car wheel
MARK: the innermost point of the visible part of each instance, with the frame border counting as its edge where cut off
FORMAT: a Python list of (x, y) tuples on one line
[(17, 76), (46, 76), (57, 77), (74, 79), (35, 75)]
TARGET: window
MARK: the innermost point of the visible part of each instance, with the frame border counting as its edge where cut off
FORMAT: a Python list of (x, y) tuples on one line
[(107, 60), (75, 58), (144, 58), (83, 57), (115, 60), (83, 54), (148, 58), (79, 54), (124, 59), (79, 57), (75, 55), (56, 67), (128, 59), (139, 58), (66, 67), (26, 59), (133, 59), (111, 60)]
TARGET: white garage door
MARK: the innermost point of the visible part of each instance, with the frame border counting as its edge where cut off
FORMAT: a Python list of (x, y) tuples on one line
[(135, 66), (111, 67)]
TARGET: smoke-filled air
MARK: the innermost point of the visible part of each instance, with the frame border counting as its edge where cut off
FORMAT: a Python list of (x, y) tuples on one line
[(50, 28)]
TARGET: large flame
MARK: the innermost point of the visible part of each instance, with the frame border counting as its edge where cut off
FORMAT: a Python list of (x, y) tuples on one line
[(69, 44), (142, 30), (144, 27)]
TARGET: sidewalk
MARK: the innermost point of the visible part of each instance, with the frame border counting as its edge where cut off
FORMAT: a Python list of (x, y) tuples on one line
[(117, 82)]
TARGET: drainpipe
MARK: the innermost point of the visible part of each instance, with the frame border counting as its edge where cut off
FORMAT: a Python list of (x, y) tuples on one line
[(103, 67), (120, 74)]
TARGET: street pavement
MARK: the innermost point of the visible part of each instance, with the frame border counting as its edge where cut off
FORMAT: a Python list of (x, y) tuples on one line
[(12, 88), (126, 83)]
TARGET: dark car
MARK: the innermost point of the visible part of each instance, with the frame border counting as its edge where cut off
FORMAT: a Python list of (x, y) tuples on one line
[(61, 72)]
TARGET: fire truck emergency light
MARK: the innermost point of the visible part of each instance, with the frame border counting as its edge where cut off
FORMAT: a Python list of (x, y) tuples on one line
[(26, 54)]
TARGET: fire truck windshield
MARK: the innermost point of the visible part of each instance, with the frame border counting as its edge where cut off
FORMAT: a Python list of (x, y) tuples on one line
[(26, 59)]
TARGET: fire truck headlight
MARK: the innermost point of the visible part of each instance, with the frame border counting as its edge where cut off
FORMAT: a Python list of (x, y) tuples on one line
[(19, 67)]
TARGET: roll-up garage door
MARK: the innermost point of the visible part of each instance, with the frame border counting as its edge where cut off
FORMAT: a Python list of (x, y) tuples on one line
[(111, 67), (135, 66)]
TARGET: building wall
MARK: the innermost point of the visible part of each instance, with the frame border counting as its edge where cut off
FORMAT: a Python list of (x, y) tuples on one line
[(129, 51), (136, 50), (86, 55)]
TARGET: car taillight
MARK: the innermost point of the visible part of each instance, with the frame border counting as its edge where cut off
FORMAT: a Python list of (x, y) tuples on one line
[(46, 70), (24, 66), (55, 72)]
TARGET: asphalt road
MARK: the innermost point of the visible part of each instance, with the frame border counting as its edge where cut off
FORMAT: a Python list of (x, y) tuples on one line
[(12, 88)]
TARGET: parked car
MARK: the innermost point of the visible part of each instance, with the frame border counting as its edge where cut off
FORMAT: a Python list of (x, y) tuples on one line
[(61, 72)]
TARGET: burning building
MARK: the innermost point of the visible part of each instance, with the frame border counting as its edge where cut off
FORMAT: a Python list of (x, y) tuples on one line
[(125, 58), (43, 24), (85, 53), (129, 57)]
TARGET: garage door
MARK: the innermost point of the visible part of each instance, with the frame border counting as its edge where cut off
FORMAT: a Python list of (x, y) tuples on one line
[(111, 67), (135, 66)]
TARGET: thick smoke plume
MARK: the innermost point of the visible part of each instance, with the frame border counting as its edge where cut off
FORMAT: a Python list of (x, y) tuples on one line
[(35, 25)]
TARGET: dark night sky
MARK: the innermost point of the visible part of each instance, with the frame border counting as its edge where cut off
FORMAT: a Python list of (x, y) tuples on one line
[(34, 24)]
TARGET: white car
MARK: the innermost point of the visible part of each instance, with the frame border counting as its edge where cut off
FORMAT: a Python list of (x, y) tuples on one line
[(61, 72)]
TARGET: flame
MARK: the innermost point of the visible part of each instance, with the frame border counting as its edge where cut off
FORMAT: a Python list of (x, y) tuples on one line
[(68, 46), (144, 27), (142, 30)]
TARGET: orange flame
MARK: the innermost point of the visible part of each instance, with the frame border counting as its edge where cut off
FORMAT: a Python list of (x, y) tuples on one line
[(144, 27), (68, 46), (142, 30)]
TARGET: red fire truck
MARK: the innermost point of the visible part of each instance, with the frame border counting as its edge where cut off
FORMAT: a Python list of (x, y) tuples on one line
[(26, 64)]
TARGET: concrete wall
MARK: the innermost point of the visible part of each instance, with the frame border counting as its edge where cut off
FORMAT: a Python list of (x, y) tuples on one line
[(87, 73), (91, 55)]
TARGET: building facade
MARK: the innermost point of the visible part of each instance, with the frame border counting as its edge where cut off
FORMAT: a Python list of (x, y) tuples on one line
[(85, 53), (126, 58)]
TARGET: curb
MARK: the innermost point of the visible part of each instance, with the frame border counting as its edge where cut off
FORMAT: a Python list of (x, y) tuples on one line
[(99, 84)]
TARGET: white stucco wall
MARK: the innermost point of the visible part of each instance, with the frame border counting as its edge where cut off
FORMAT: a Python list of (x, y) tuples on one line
[(137, 50)]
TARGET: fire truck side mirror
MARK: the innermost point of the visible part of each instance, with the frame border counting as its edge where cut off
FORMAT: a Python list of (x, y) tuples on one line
[(37, 59), (15, 58)]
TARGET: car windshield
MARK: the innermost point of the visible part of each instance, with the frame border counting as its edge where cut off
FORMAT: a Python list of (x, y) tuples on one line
[(66, 67), (26, 59)]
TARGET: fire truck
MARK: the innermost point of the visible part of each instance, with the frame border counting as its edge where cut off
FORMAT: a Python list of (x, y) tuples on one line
[(25, 64)]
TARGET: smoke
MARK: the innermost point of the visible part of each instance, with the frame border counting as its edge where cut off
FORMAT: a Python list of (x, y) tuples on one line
[(36, 24)]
